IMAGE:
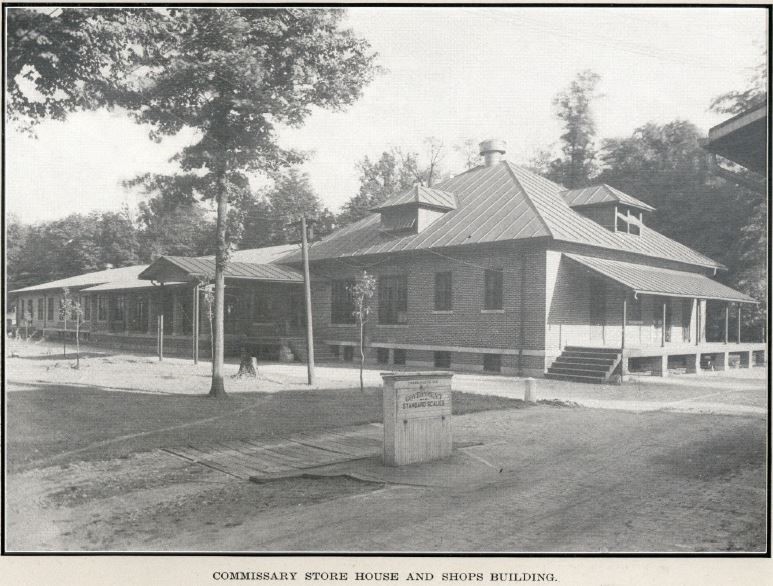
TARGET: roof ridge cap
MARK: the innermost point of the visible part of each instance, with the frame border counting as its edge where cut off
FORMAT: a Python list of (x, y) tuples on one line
[(508, 166)]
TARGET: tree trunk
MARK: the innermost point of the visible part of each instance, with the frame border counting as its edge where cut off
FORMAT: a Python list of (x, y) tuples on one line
[(77, 345), (248, 366), (218, 389), (362, 354), (64, 337)]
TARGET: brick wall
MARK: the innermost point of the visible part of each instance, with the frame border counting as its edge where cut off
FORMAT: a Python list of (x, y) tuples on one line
[(467, 330)]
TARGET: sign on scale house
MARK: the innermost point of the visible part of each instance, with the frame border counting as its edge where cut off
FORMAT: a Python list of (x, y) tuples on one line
[(417, 417)]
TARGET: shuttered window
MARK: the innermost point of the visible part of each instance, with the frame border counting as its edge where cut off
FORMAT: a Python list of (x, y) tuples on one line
[(494, 283), (393, 299), (443, 299)]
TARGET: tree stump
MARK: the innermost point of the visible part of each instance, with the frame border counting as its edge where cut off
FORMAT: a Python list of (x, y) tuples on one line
[(248, 364)]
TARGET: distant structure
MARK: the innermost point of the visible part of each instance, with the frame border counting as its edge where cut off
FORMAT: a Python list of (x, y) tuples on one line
[(743, 140)]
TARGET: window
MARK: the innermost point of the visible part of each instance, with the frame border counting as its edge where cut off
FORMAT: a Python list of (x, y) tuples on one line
[(382, 355), (493, 289), (686, 319), (634, 311), (262, 308), (492, 362), (41, 309), (30, 315), (598, 302), (443, 299), (139, 321), (50, 309), (442, 359), (102, 308), (297, 308), (335, 350), (393, 299), (341, 304), (398, 357), (348, 353), (87, 308), (118, 308)]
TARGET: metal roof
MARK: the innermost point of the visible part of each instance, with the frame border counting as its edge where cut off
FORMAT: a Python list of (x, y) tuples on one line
[(124, 285), (601, 194), (265, 255), (175, 267), (743, 139), (418, 194), (499, 203), (656, 281), (89, 279)]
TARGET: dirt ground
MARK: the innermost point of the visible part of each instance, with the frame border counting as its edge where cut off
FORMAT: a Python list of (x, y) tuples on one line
[(85, 474)]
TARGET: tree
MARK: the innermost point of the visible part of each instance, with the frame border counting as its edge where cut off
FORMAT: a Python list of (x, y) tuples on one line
[(72, 308), (291, 197), (573, 108), (243, 70), (665, 166), (393, 173), (76, 58), (755, 94), (470, 152), (16, 261), (232, 74), (362, 290), (117, 239)]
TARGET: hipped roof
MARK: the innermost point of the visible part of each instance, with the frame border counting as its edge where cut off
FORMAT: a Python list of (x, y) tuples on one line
[(601, 194), (421, 195), (502, 202), (89, 279), (649, 280)]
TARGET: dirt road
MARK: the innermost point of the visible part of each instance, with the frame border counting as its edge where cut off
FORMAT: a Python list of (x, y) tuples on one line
[(544, 479)]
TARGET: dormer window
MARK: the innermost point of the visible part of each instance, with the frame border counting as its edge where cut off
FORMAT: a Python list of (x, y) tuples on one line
[(628, 220), (609, 207), (415, 209)]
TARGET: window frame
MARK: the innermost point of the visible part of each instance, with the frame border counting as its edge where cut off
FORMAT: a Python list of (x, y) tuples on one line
[(494, 289), (444, 293), (394, 289), (597, 302), (341, 302), (439, 359), (399, 356), (497, 358)]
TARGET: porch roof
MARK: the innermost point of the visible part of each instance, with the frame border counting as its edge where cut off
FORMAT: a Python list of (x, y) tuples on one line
[(656, 281), (182, 268)]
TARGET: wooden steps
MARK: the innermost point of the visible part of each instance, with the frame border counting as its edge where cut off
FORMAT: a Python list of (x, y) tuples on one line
[(585, 364)]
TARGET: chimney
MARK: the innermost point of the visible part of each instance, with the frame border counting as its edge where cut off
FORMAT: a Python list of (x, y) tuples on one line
[(492, 151)]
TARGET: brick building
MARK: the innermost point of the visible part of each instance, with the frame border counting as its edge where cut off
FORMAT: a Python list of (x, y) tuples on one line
[(496, 269)]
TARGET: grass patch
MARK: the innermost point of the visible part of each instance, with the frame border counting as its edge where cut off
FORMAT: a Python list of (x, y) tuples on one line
[(59, 423)]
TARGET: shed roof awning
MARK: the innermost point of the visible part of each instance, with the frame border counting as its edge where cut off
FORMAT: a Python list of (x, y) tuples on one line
[(656, 281), (182, 268)]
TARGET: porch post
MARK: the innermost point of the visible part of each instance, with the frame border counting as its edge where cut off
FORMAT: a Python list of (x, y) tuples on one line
[(663, 327), (195, 328), (625, 307), (696, 309), (739, 323), (727, 320)]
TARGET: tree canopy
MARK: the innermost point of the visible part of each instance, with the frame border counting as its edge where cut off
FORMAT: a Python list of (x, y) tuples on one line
[(62, 60), (573, 107)]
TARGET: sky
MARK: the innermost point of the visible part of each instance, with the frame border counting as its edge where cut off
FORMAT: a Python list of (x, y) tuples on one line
[(450, 73)]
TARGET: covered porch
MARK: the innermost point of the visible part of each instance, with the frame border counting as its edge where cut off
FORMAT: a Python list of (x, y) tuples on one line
[(264, 308), (657, 320)]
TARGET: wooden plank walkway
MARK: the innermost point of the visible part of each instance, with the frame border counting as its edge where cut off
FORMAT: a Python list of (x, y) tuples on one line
[(268, 458)]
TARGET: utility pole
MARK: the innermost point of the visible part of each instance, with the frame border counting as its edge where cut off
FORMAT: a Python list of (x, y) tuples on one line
[(307, 295)]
